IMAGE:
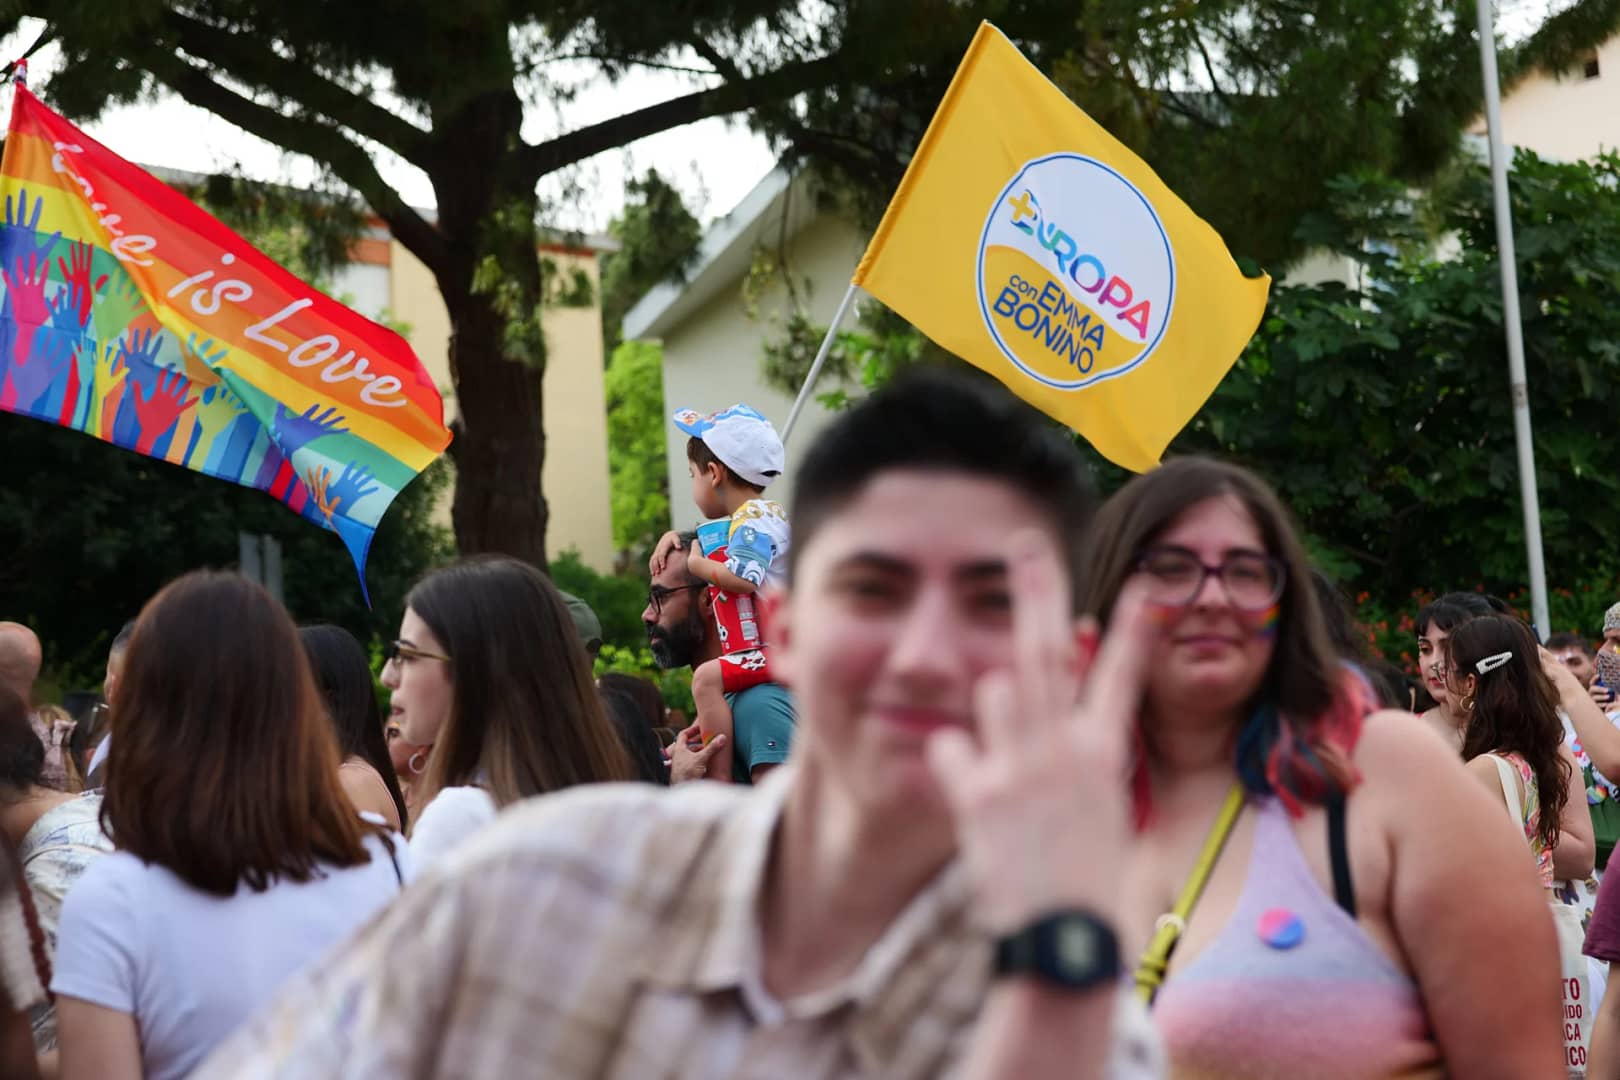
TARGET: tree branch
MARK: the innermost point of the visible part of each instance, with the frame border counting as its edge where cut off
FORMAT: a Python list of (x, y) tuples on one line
[(544, 158), (326, 144), (252, 62)]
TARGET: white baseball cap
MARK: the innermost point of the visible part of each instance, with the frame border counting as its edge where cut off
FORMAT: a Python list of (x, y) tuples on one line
[(743, 440)]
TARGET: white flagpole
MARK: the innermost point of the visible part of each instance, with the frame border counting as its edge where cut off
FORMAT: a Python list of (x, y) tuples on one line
[(1510, 323), (821, 358)]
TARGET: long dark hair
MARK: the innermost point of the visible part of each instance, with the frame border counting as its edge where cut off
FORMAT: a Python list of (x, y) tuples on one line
[(1307, 713), (524, 715), (343, 676), (1446, 613), (1515, 708), (225, 768)]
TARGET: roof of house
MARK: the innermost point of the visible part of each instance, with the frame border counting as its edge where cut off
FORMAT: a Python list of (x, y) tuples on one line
[(726, 253)]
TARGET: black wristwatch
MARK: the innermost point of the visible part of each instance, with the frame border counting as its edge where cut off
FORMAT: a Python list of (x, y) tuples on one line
[(1072, 950)]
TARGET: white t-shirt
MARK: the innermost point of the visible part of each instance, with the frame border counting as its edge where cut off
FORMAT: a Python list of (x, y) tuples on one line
[(192, 967), (444, 825)]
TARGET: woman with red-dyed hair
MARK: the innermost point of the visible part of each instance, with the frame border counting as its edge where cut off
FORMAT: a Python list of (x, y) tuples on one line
[(1294, 892)]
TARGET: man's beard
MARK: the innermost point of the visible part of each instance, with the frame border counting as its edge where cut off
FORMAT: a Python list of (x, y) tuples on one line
[(676, 646)]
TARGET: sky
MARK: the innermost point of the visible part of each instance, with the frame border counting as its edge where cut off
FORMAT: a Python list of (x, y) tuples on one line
[(714, 163)]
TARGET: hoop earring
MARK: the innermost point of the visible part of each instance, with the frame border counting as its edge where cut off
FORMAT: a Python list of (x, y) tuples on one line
[(1467, 703), (415, 766)]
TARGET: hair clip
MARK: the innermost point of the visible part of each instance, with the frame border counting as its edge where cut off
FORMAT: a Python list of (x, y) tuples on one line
[(1491, 663)]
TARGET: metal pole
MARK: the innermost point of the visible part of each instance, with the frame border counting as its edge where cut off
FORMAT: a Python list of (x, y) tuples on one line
[(821, 358), (1510, 322)]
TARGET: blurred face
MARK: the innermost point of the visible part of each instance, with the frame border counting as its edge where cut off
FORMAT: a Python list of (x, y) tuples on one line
[(1579, 664), (420, 689), (1611, 641), (1217, 646), (706, 489), (899, 604), (1432, 663), (115, 667)]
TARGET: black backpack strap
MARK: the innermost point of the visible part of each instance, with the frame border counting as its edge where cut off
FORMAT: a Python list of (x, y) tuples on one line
[(1344, 890)]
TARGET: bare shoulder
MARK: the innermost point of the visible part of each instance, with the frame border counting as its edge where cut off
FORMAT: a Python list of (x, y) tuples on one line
[(1395, 745)]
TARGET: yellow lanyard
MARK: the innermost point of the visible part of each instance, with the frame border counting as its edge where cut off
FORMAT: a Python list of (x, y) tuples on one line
[(1156, 958)]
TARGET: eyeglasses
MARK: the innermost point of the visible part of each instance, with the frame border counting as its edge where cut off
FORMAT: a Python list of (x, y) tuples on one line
[(1175, 577), (398, 650), (657, 594)]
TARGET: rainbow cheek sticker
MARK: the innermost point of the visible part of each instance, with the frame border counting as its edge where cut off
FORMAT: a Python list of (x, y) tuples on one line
[(1265, 622), (1280, 928)]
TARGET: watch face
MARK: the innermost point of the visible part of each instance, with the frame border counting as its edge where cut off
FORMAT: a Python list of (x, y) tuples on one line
[(1076, 946)]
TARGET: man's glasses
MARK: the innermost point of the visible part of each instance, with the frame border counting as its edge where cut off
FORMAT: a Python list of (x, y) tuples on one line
[(398, 650), (657, 594), (1175, 577)]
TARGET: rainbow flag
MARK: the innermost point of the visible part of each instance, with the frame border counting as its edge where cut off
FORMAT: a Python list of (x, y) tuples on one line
[(132, 315)]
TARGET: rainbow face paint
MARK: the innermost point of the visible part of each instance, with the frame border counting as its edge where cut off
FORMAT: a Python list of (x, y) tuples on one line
[(1265, 622)]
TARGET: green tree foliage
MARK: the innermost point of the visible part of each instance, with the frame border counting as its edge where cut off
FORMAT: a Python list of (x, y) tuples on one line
[(637, 430), (1248, 108), (1381, 409), (658, 241)]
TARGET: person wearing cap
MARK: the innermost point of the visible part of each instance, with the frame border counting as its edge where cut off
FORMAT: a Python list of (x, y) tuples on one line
[(586, 624), (732, 457), (1601, 692)]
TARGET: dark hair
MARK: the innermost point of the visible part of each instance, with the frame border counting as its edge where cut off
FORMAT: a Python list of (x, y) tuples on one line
[(524, 712), (1389, 684), (225, 768), (1566, 640), (1336, 616), (648, 699), (948, 420), (343, 676), (1515, 707), (1451, 610), (639, 741), (1307, 713), (22, 755), (699, 454)]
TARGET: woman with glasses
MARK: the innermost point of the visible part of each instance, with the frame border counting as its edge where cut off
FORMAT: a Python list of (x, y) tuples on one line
[(489, 671), (1299, 856)]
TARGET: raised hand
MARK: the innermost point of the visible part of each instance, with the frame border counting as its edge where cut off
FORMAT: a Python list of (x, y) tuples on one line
[(1038, 792), (117, 308), (138, 352), (157, 411), (31, 376), (317, 480), (20, 235), (293, 431), (25, 289), (354, 485), (81, 291)]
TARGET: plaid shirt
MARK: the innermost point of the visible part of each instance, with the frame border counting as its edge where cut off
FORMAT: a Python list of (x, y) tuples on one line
[(612, 931)]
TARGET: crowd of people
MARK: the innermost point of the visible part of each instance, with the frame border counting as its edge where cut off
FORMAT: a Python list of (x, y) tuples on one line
[(984, 780)]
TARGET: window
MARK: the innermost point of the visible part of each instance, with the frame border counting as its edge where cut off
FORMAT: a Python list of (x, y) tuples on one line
[(1591, 68)]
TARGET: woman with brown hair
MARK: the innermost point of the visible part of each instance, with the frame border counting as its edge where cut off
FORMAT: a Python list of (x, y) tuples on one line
[(1305, 852), (489, 671), (240, 859), (1494, 673)]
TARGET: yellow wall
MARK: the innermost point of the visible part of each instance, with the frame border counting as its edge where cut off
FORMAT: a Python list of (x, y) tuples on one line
[(1570, 118), (575, 474), (712, 357)]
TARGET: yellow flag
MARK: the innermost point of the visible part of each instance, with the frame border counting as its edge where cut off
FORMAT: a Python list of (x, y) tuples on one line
[(1030, 242)]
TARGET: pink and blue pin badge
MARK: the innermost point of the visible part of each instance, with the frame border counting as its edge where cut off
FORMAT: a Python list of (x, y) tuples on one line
[(1281, 928)]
